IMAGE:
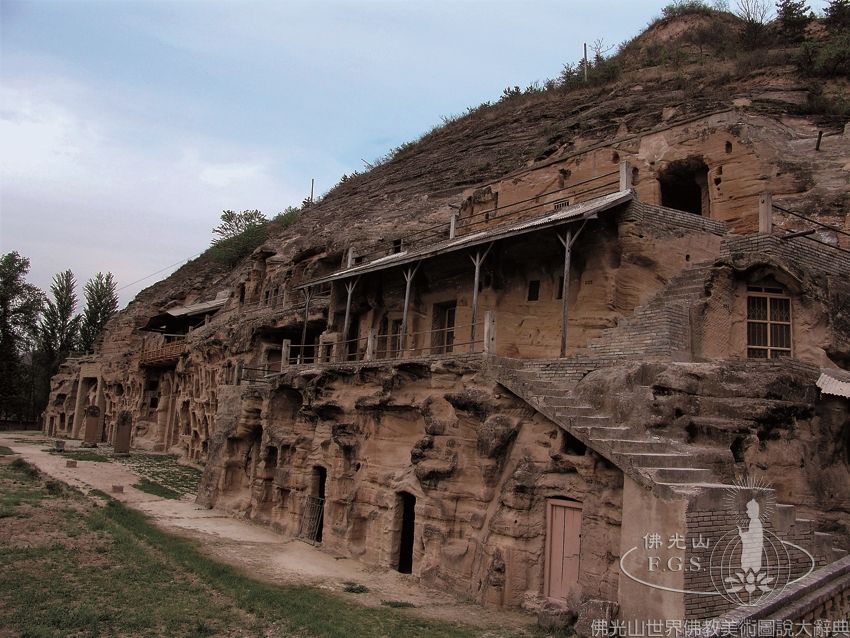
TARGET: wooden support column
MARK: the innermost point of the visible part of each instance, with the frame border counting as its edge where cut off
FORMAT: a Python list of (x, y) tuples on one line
[(409, 273), (477, 260), (285, 351), (349, 289), (490, 332), (308, 295), (371, 343), (765, 213), (567, 240), (625, 176)]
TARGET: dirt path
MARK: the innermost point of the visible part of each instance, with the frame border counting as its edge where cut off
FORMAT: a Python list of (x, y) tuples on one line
[(256, 549)]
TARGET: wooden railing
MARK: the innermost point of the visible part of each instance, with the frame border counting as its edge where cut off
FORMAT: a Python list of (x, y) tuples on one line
[(164, 354)]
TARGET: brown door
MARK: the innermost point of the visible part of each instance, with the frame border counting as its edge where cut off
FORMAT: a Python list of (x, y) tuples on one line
[(563, 547)]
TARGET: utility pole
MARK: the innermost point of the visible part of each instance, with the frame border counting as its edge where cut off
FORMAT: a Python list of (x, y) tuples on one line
[(585, 62)]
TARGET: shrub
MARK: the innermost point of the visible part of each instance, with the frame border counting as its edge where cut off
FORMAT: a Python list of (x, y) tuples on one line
[(826, 59), (684, 7)]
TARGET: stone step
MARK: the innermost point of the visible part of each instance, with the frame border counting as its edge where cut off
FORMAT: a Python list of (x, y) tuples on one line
[(568, 401), (591, 421), (678, 475), (571, 410), (575, 411), (661, 459), (620, 445), (603, 431)]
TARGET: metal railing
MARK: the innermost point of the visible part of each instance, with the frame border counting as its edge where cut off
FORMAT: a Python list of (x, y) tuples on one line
[(312, 519)]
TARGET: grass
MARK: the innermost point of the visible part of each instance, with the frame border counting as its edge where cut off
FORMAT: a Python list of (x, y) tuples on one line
[(397, 604), (82, 455), (354, 588), (5, 451), (57, 563), (157, 489)]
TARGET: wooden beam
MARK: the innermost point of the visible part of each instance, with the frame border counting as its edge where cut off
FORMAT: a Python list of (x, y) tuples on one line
[(308, 294), (477, 260), (409, 273), (567, 242), (349, 289)]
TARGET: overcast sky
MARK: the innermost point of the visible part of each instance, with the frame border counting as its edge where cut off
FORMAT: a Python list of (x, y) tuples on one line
[(127, 127)]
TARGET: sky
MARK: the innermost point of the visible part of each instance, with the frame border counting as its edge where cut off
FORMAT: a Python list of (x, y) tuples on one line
[(126, 127)]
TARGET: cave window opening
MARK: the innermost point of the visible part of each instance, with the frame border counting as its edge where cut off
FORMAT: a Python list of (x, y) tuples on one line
[(684, 186), (533, 290), (406, 507), (768, 323)]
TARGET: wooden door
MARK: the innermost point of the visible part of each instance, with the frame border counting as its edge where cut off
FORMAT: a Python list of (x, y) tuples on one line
[(563, 548)]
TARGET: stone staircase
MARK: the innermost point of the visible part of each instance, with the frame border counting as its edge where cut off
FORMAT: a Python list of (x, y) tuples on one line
[(660, 327), (650, 460)]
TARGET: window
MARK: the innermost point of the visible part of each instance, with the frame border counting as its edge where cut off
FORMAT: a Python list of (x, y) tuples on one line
[(561, 204), (768, 323), (559, 293), (534, 290), (396, 245)]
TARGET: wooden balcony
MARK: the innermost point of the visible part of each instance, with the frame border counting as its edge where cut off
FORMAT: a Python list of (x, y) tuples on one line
[(163, 356)]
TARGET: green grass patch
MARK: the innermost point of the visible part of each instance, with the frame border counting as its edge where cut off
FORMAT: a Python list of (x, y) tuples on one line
[(299, 608), (354, 588), (25, 470), (82, 455), (397, 604), (152, 487), (5, 451)]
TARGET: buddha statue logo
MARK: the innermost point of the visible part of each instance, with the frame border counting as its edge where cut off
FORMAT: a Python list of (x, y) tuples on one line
[(750, 564)]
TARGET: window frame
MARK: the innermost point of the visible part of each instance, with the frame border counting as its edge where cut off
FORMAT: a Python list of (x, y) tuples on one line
[(770, 294)]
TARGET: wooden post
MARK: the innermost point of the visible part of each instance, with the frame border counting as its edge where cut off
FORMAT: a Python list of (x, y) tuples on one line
[(371, 343), (308, 294), (625, 176), (349, 289), (349, 258), (238, 373), (409, 273), (453, 225), (567, 241), (477, 260), (765, 213), (490, 332), (285, 351)]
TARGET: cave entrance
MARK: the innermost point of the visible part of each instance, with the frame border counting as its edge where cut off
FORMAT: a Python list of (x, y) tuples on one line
[(406, 506), (313, 518), (684, 186)]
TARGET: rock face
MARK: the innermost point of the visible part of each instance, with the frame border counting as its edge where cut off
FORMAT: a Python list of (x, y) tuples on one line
[(418, 374), (481, 479)]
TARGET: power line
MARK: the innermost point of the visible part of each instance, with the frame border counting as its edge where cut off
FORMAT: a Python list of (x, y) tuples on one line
[(138, 281)]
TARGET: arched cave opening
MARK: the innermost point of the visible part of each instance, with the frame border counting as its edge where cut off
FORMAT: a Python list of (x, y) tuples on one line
[(684, 186)]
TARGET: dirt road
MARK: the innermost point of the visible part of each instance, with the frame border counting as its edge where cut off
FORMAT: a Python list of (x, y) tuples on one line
[(255, 549)]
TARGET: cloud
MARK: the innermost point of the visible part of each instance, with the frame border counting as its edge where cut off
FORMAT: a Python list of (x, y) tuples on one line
[(78, 192)]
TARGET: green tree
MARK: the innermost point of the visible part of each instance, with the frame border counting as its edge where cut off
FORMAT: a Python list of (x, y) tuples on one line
[(20, 305), (101, 303), (793, 16), (238, 235), (837, 15), (234, 224), (58, 331)]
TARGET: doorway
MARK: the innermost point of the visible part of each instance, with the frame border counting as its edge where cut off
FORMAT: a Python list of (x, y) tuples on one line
[(563, 548), (406, 505), (443, 335), (684, 186), (313, 516)]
